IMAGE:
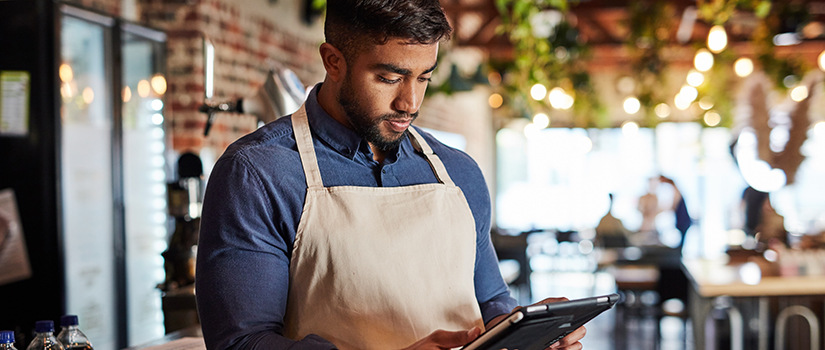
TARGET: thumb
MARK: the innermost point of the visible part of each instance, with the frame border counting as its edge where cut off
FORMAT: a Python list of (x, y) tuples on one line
[(473, 333), (457, 338)]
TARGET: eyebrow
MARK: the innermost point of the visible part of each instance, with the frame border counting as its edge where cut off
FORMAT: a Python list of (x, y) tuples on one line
[(398, 70)]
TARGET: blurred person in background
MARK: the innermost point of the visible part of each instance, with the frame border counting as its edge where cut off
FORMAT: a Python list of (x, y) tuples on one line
[(611, 232)]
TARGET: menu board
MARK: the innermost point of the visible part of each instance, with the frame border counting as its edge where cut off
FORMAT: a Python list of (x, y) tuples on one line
[(14, 103)]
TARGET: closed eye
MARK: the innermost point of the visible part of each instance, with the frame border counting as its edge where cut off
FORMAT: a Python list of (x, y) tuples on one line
[(388, 81)]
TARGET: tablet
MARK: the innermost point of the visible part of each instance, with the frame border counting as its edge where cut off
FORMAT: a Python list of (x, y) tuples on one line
[(536, 327)]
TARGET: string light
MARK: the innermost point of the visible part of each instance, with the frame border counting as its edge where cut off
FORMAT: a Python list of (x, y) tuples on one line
[(685, 97), (65, 72), (66, 91), (712, 118), (695, 78), (703, 60), (127, 94), (743, 67), (689, 92), (630, 128), (717, 39), (541, 120), (560, 99), (158, 83), (631, 105), (799, 93), (143, 88), (88, 95), (538, 92), (662, 110), (706, 103), (495, 100)]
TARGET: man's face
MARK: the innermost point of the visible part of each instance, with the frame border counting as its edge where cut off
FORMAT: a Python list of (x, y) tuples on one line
[(383, 89)]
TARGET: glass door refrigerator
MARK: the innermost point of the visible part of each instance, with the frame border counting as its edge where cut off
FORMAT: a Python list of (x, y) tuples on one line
[(88, 170)]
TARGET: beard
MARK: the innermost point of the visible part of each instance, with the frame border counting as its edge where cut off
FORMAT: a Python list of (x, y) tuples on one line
[(367, 126)]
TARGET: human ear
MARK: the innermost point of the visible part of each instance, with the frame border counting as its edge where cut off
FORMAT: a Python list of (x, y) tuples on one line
[(334, 62)]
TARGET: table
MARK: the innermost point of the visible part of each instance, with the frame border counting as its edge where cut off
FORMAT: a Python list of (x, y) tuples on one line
[(188, 332), (762, 310)]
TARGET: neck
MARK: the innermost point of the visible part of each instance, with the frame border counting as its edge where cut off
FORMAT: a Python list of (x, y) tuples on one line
[(377, 154), (328, 100)]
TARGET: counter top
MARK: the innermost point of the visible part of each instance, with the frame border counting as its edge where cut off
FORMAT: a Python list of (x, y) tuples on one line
[(716, 278), (189, 333)]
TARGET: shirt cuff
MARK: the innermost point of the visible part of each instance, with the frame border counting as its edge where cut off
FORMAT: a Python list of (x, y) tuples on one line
[(499, 305)]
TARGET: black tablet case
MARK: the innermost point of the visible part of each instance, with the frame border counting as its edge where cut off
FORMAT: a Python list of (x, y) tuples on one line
[(539, 326)]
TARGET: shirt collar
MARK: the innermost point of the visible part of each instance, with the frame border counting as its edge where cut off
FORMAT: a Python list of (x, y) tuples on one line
[(339, 137)]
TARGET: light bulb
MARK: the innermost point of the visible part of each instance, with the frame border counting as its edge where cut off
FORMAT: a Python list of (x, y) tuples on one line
[(631, 105), (538, 91), (541, 120), (703, 60), (743, 67), (717, 39)]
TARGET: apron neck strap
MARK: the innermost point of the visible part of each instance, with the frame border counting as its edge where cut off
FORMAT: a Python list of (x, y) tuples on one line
[(421, 145), (303, 140)]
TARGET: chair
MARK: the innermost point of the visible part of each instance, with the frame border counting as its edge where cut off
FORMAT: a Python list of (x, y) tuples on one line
[(514, 247)]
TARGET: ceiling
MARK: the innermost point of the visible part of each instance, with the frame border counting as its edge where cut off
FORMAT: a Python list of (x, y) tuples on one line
[(602, 26)]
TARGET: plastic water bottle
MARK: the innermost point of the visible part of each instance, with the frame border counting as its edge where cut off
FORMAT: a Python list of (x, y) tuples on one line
[(70, 336), (7, 340), (44, 337)]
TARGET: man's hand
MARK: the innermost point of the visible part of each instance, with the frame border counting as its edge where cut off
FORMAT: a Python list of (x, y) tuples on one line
[(442, 339), (572, 340)]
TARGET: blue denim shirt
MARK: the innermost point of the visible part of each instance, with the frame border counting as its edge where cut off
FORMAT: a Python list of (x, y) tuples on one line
[(252, 206)]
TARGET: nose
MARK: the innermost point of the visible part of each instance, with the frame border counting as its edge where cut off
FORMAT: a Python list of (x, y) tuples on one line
[(409, 97)]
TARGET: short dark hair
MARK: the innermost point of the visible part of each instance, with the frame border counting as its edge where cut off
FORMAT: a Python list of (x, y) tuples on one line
[(353, 24)]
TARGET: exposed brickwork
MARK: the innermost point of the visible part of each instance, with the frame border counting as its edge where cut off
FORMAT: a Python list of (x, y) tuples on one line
[(111, 7), (246, 47)]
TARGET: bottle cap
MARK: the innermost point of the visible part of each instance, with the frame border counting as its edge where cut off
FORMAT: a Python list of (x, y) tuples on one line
[(68, 320), (6, 337), (44, 326)]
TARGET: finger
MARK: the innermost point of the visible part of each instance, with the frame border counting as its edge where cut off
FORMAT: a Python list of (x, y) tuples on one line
[(552, 300), (574, 346), (452, 339), (573, 337)]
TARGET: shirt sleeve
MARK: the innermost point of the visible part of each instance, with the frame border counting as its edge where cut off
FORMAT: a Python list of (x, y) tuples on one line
[(491, 290), (243, 264)]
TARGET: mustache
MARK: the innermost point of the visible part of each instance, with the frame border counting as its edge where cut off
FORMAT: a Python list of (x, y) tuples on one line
[(393, 116)]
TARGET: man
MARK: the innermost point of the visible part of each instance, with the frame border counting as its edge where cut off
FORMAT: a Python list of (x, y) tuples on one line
[(343, 227)]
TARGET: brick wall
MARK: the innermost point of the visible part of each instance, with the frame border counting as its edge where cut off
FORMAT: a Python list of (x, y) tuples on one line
[(247, 45), (111, 7)]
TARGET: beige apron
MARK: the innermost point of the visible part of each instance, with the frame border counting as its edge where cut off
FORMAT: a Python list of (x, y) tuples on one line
[(380, 267)]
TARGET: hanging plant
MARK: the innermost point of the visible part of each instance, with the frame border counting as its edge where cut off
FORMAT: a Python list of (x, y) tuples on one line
[(784, 18), (774, 18), (649, 23), (783, 72), (719, 12), (715, 93), (547, 50)]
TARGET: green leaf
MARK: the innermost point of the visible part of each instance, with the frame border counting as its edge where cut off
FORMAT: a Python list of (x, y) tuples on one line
[(763, 9)]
